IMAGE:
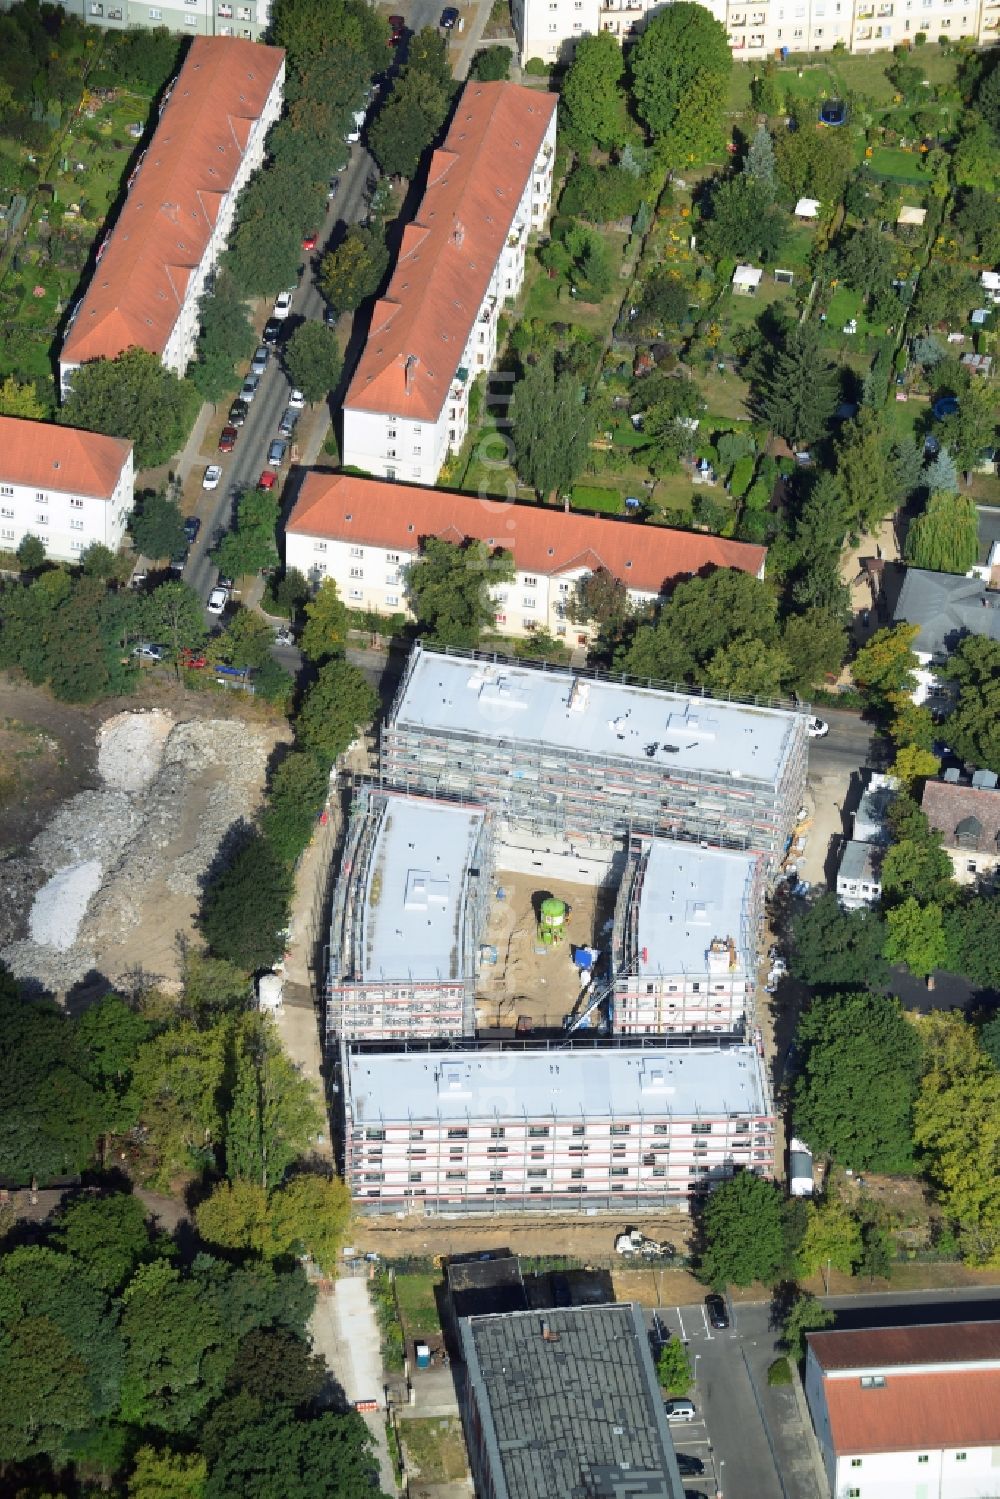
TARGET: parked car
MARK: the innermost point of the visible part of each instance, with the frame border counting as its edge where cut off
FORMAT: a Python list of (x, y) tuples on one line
[(449, 17), (258, 363), (267, 479), (272, 331), (330, 316), (217, 601), (718, 1314), (397, 30), (287, 424), (333, 189), (227, 439), (238, 412), (249, 388), (818, 728), (690, 1467), (276, 452), (213, 474), (282, 305), (193, 660), (192, 525), (310, 241), (680, 1410), (284, 637), (226, 583), (178, 561), (149, 652)]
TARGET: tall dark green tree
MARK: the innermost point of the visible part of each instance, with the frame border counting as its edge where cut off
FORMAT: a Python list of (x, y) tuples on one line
[(227, 337), (313, 360), (245, 910), (681, 49), (135, 397), (974, 726), (591, 93), (743, 1229), (835, 949), (551, 427), (798, 391), (339, 703), (274, 1116), (450, 587)]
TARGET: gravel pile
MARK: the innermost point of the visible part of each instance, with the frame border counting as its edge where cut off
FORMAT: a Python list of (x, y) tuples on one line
[(110, 860)]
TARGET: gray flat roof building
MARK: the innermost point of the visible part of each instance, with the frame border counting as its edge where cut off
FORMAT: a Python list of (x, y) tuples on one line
[(579, 752), (689, 896), (565, 1404)]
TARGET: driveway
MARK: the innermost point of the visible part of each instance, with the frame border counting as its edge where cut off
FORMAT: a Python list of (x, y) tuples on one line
[(345, 1332)]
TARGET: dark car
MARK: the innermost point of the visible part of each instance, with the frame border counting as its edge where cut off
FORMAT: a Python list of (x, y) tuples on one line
[(227, 439), (192, 525), (449, 17), (178, 561), (273, 330), (333, 189), (397, 29), (690, 1467), (238, 412), (717, 1313)]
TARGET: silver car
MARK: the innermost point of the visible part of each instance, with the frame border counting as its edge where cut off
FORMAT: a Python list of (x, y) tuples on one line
[(276, 452), (249, 388), (287, 424), (258, 363)]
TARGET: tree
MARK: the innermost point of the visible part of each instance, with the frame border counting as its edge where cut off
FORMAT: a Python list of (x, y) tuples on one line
[(866, 263), (946, 293), (252, 546), (227, 337), (450, 587), (551, 427), (157, 527), (875, 1259), (970, 429), (698, 131), (264, 250), (703, 617), (814, 644), (813, 160), (760, 165), (682, 51), (744, 221), (673, 1369), (258, 1450), (916, 937), (416, 108), (162, 1474), (746, 669), (21, 400), (173, 613), (798, 393), (245, 910), (325, 631), (974, 726), (858, 1078), (174, 1333), (31, 552), (245, 642), (298, 792), (107, 1236), (989, 1039), (974, 158), (313, 360), (237, 1215), (970, 933), (805, 1314), (352, 272), (885, 666), (599, 598), (491, 65), (979, 218), (133, 396), (941, 475), (310, 1215), (832, 1238), (274, 1116), (591, 93), (272, 1360), (339, 703), (178, 1079), (913, 764), (956, 1123), (743, 1230), (834, 949), (867, 471)]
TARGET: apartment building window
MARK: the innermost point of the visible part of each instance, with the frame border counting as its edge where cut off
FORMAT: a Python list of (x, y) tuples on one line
[(960, 1457), (855, 1462), (451, 434), (498, 1150), (355, 595), (661, 1129), (458, 1134), (392, 599), (6, 489), (376, 1134), (357, 572), (374, 1176), (701, 1129), (577, 1173), (392, 556), (528, 603), (619, 1171), (923, 1457), (454, 1176), (416, 452), (579, 1129), (621, 1129), (42, 520), (530, 582), (357, 551), (390, 452), (319, 546), (498, 1132), (390, 432), (496, 1176), (538, 1131), (40, 496), (6, 535), (76, 525), (537, 1171), (76, 504), (156, 15)]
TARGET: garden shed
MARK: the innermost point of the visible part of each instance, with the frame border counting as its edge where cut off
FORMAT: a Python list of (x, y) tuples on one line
[(746, 279), (807, 208), (911, 216)]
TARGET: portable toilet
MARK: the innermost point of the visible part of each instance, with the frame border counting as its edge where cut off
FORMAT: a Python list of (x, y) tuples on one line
[(423, 1354)]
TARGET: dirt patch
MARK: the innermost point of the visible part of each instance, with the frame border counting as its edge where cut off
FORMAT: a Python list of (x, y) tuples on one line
[(540, 983), (589, 1240)]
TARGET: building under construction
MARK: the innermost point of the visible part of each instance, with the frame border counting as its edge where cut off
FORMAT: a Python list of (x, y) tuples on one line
[(577, 753), (686, 939), (408, 914)]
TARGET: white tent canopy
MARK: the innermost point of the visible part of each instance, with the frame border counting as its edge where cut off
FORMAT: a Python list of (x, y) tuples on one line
[(807, 208)]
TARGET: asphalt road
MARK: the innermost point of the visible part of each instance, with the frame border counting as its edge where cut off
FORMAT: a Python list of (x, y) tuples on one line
[(847, 747)]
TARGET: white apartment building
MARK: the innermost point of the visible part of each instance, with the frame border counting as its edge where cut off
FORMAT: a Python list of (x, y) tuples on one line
[(907, 1412), (686, 938), (461, 258), (69, 488), (549, 29), (488, 1127), (364, 533), (248, 19), (155, 262)]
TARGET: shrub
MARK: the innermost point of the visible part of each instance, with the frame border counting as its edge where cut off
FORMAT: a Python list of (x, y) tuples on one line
[(780, 1372), (536, 68), (741, 476)]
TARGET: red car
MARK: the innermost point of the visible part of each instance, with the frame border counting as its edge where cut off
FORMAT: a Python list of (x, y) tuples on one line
[(227, 439), (267, 479), (309, 242), (193, 660), (397, 25)]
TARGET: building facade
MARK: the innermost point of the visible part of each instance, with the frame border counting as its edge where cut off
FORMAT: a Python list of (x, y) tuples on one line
[(549, 29), (489, 186), (968, 819), (859, 877), (907, 1412), (565, 1402), (488, 1127), (686, 939), (577, 752), (364, 534), (154, 264), (248, 20), (408, 912), (69, 488)]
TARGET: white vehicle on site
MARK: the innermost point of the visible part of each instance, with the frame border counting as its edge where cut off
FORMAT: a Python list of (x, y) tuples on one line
[(282, 305), (217, 601), (357, 125), (297, 400), (634, 1242), (212, 476), (818, 728)]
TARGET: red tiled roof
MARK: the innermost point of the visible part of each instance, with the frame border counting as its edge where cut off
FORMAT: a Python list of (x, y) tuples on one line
[(448, 253), (915, 1412), (948, 806), (138, 286), (43, 455), (374, 512), (880, 1348)]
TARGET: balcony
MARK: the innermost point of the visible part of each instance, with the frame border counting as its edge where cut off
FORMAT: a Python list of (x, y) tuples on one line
[(740, 20), (486, 316), (757, 39), (759, 20)]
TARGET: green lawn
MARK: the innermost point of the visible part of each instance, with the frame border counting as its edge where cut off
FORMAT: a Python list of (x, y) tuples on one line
[(591, 497), (435, 1447), (417, 1306), (901, 166)]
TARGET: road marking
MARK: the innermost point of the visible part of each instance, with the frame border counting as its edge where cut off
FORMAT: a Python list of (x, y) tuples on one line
[(681, 1321), (708, 1330)]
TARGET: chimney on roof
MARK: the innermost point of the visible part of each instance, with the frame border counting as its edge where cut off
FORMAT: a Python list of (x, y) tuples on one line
[(548, 1336), (411, 363), (458, 233)]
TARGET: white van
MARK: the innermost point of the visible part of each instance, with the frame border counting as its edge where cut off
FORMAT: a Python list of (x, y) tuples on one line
[(680, 1410)]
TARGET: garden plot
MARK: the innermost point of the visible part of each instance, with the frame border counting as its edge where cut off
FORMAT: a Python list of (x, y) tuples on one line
[(116, 876)]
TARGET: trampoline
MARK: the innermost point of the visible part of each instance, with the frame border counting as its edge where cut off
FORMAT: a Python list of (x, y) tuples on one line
[(833, 112)]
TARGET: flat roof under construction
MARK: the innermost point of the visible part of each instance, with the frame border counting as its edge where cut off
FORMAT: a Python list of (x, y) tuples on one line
[(416, 890), (593, 1083), (564, 710), (690, 895)]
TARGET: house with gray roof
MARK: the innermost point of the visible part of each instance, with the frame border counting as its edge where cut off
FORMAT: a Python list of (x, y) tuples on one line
[(565, 1404), (945, 608)]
